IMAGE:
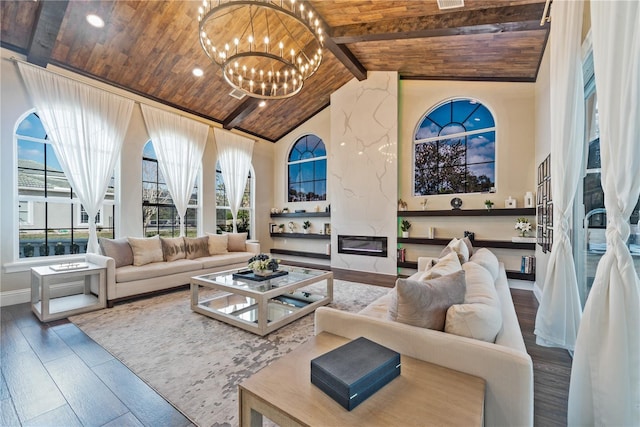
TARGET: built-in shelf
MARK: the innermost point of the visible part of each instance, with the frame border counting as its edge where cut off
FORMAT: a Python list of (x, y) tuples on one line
[(302, 235), (471, 212), (300, 253), (507, 244), (302, 215), (511, 274)]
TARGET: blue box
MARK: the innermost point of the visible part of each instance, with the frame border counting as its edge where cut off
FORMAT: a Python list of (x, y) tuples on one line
[(354, 371)]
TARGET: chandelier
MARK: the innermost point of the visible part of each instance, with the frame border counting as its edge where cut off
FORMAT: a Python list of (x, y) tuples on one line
[(265, 48)]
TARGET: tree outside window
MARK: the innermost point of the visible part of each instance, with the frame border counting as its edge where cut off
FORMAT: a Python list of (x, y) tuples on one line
[(224, 218)]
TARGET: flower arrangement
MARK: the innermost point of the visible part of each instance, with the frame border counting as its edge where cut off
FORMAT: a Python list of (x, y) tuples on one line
[(306, 225), (523, 225), (423, 203), (263, 262), (488, 204), (402, 205)]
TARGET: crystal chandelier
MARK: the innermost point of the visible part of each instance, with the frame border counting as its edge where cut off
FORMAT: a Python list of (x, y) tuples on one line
[(265, 48)]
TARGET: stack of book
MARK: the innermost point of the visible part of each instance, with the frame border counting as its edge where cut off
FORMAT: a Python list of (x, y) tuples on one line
[(528, 264)]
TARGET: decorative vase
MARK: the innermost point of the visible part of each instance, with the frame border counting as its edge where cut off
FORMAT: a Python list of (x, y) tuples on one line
[(262, 273), (405, 234)]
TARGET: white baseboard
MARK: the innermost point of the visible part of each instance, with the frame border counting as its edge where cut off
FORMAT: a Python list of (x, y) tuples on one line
[(525, 285), (21, 296), (537, 292)]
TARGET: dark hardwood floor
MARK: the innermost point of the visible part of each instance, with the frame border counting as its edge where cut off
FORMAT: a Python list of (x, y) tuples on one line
[(55, 375)]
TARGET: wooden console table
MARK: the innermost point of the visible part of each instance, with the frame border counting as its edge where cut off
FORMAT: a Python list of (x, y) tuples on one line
[(424, 394)]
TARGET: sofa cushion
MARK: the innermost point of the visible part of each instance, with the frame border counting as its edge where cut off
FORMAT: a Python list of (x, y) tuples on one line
[(480, 315), (425, 303), (131, 273), (118, 249), (225, 259), (218, 243), (488, 260), (146, 250), (173, 248), (237, 242), (448, 264), (469, 244), (197, 247), (459, 247)]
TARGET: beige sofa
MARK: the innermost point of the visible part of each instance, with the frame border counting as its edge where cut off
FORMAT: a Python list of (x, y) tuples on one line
[(126, 280), (504, 364)]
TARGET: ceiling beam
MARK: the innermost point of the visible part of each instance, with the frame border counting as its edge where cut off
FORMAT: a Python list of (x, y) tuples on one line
[(499, 19), (241, 111), (45, 31), (343, 53)]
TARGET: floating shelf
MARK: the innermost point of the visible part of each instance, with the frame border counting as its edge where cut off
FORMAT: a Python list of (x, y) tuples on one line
[(471, 212), (302, 235), (302, 215), (511, 274), (300, 253), (507, 244)]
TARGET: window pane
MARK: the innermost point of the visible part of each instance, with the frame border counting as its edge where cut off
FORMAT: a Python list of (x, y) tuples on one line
[(305, 178), (31, 126), (451, 152), (441, 115), (149, 171), (295, 174), (593, 159), (306, 171), (481, 148), (427, 129), (452, 179), (480, 119), (480, 177)]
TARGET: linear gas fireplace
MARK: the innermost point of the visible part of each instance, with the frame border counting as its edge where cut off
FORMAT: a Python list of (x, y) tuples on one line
[(362, 245)]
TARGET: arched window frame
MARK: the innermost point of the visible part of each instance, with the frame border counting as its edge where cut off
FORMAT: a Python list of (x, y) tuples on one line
[(438, 187), (43, 213), (166, 227), (319, 175), (223, 210)]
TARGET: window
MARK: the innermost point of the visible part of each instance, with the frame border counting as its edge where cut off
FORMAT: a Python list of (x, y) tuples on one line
[(224, 219), (454, 149), (84, 217), (159, 214), (307, 168), (590, 217), (49, 213)]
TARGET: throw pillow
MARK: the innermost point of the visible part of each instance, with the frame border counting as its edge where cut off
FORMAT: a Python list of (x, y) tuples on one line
[(480, 315), (197, 247), (218, 243), (425, 304), (467, 242), (173, 248), (459, 247), (446, 265), (237, 242), (146, 250), (118, 249), (488, 260)]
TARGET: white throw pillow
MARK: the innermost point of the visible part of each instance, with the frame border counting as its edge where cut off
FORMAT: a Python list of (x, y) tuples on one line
[(218, 243), (146, 250), (459, 247), (488, 260), (479, 316), (448, 264)]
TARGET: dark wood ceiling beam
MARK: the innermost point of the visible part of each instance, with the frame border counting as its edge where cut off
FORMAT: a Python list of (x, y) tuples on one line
[(341, 52), (241, 111), (499, 19), (45, 31)]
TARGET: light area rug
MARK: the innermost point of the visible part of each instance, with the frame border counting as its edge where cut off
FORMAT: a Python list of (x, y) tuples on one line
[(196, 362)]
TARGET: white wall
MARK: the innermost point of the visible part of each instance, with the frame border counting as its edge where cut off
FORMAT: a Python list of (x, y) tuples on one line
[(14, 103)]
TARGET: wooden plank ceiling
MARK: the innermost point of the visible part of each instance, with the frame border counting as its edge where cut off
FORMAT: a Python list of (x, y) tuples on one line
[(151, 47)]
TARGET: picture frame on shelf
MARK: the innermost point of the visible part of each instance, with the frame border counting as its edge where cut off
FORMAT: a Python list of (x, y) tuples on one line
[(273, 228)]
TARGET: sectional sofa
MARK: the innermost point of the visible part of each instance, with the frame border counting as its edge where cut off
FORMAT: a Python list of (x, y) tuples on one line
[(494, 351), (141, 266)]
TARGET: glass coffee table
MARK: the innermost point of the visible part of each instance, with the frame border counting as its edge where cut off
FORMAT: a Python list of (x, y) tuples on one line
[(261, 306)]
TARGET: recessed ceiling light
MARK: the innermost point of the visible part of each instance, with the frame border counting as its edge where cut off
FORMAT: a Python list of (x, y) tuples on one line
[(198, 72), (262, 103), (477, 119), (95, 20)]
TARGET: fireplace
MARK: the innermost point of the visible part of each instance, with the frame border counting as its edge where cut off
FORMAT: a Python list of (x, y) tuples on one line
[(362, 245)]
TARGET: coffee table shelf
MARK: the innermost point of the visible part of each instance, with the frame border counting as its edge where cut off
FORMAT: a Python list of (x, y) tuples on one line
[(261, 307)]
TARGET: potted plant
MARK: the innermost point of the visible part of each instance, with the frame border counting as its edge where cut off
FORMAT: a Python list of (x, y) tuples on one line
[(405, 226), (306, 226), (402, 205), (281, 227), (488, 204), (523, 225)]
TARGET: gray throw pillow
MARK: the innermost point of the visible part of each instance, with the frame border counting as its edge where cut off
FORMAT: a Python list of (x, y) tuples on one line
[(425, 303), (173, 248), (118, 249), (197, 247)]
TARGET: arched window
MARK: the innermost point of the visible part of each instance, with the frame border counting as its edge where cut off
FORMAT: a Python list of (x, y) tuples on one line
[(159, 214), (223, 211), (307, 170), (454, 149), (52, 221)]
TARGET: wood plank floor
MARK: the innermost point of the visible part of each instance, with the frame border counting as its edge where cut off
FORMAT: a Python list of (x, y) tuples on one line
[(55, 375)]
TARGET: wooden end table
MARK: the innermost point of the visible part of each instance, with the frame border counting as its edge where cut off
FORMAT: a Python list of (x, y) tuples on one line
[(423, 394)]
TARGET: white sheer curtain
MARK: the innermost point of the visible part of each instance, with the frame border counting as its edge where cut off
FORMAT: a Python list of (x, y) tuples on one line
[(560, 310), (605, 377), (179, 143), (86, 127), (234, 155)]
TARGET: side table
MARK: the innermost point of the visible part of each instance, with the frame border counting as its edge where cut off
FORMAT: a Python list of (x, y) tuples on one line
[(48, 307)]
